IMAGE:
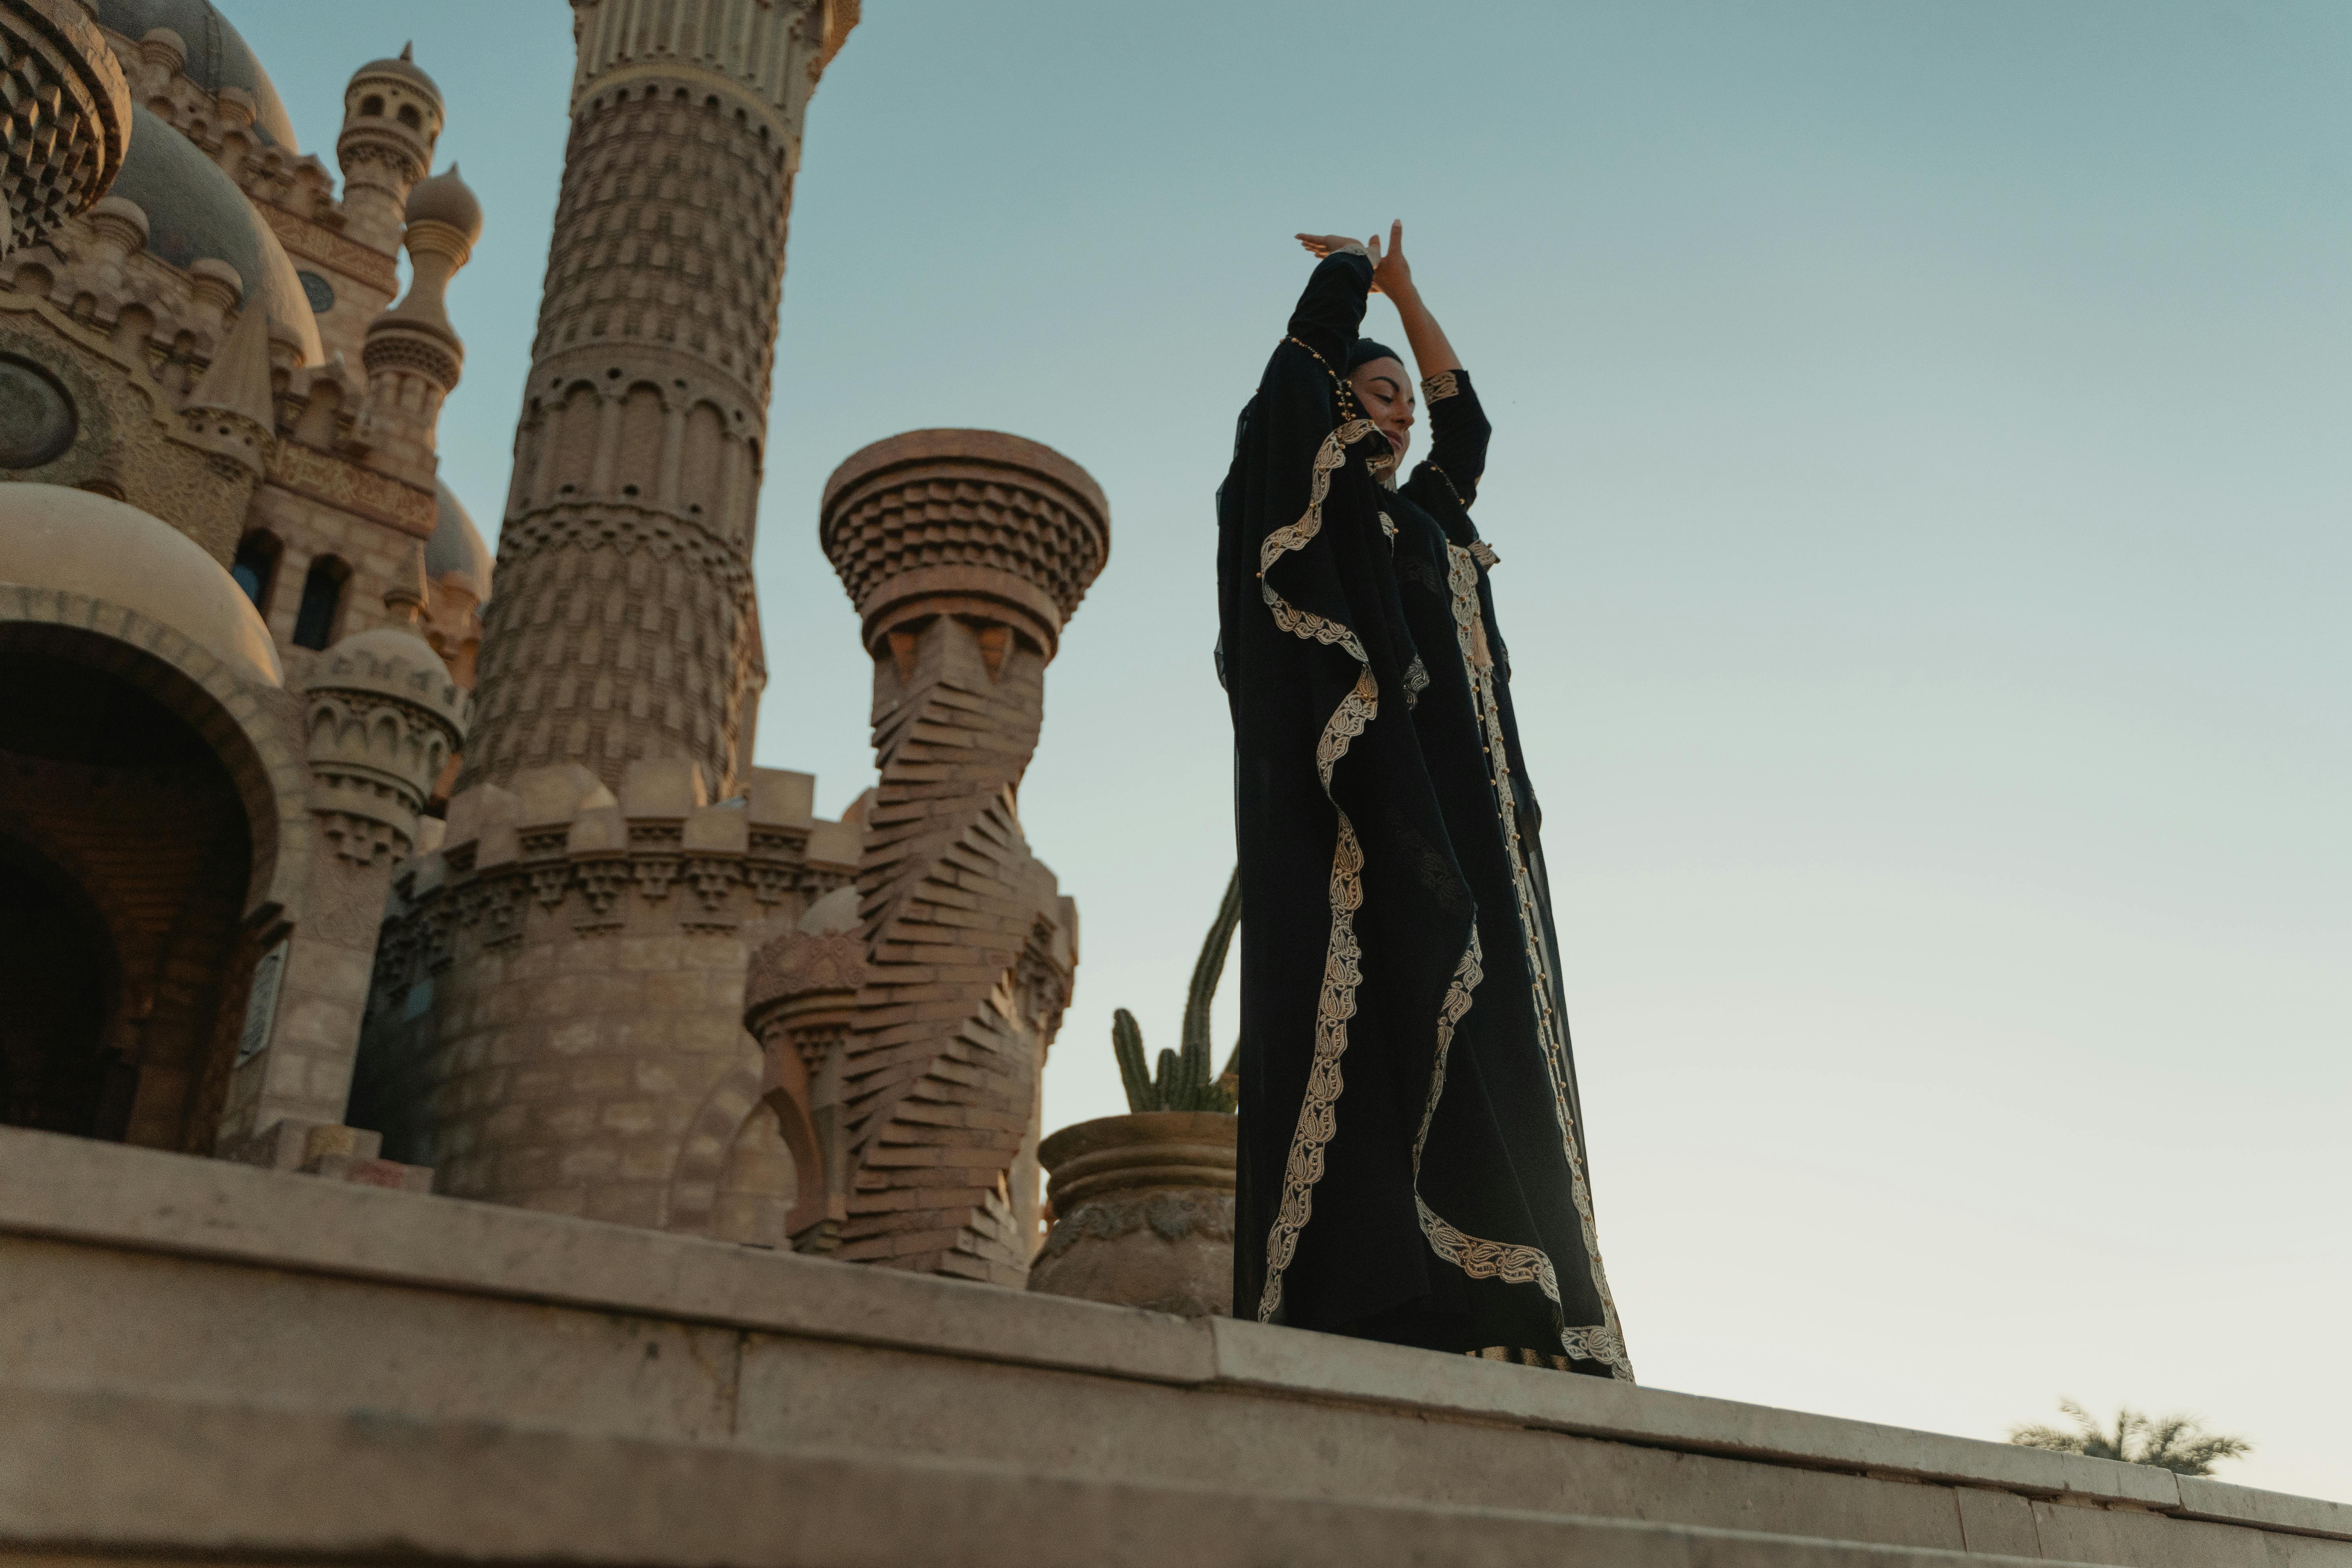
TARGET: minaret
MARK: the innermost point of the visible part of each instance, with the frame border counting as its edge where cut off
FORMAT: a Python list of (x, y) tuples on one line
[(625, 626), (414, 356), (392, 118)]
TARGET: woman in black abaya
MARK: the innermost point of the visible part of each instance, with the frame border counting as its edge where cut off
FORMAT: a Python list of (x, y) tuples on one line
[(1411, 1162)]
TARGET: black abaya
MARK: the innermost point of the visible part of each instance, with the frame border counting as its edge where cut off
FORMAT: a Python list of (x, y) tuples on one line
[(1412, 1165)]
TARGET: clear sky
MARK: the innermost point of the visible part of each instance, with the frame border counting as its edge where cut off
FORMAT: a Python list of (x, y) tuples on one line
[(1920, 477)]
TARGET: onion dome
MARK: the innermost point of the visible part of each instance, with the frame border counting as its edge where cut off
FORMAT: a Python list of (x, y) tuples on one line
[(446, 199), (458, 545)]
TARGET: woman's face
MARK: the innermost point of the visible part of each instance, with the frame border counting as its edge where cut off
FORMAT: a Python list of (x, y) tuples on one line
[(1385, 394)]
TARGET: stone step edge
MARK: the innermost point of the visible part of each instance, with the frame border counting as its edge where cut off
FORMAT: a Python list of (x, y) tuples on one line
[(147, 1200), (120, 1475)]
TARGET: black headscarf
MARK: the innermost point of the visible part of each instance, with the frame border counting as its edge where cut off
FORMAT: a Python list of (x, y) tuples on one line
[(1366, 351)]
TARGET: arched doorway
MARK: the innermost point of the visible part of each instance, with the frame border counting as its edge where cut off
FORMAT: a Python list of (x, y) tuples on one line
[(58, 1070), (125, 856)]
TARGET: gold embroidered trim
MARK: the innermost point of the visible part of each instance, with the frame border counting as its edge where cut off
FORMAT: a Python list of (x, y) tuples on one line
[(1603, 1341), (1389, 527), (1416, 681), (1444, 384), (1484, 553), (1318, 1119), (1297, 535), (1521, 1357)]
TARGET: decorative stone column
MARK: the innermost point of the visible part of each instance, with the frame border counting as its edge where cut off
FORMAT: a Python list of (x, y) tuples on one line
[(625, 627), (414, 356), (65, 115), (965, 552), (798, 1001), (384, 716)]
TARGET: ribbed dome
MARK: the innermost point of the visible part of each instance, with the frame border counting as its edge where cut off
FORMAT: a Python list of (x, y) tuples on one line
[(446, 199), (217, 55), (193, 211), (458, 545)]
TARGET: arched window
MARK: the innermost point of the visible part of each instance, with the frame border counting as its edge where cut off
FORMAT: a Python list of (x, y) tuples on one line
[(256, 567), (410, 118), (370, 105), (322, 600)]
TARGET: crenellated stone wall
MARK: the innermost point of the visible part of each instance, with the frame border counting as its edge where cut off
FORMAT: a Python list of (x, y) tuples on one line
[(556, 1016)]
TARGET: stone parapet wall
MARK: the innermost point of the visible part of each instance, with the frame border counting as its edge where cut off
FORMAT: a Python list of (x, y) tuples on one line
[(556, 1015), (217, 1363)]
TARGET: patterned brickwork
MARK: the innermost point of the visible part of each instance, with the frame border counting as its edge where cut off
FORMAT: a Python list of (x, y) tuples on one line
[(65, 116), (625, 626), (964, 549)]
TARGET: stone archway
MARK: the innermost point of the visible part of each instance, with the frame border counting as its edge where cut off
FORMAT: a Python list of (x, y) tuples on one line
[(126, 838)]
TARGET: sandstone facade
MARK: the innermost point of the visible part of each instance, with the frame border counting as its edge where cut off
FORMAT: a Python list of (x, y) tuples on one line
[(224, 554)]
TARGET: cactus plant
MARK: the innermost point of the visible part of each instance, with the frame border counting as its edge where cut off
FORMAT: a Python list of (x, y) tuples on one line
[(1182, 1081)]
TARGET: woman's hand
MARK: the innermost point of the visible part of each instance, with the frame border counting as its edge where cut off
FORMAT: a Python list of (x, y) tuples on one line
[(1391, 275), (1323, 245)]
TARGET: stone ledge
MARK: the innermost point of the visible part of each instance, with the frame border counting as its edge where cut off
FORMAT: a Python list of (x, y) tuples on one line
[(141, 1200), (108, 1476)]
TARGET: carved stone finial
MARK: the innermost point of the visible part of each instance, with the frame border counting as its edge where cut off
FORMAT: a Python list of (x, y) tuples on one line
[(406, 595), (972, 522), (233, 409)]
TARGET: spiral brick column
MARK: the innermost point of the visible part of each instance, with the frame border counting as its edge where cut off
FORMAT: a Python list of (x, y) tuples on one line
[(625, 626), (965, 552)]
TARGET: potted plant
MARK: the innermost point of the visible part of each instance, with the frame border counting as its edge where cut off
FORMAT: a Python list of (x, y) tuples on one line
[(1143, 1204)]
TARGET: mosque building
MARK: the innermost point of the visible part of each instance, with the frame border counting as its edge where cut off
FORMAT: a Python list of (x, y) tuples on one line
[(348, 872), (332, 842)]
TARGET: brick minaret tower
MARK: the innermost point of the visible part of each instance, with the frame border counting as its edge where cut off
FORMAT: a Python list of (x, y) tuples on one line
[(625, 626)]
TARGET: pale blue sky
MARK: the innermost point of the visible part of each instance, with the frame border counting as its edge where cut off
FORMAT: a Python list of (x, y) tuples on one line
[(1920, 478)]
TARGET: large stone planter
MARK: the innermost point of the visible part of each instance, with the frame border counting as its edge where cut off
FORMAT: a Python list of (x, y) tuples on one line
[(1143, 1211)]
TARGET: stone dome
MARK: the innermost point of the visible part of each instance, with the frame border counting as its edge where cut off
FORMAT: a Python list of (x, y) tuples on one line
[(55, 538), (458, 545), (391, 662), (195, 210), (406, 68), (446, 199), (218, 55)]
